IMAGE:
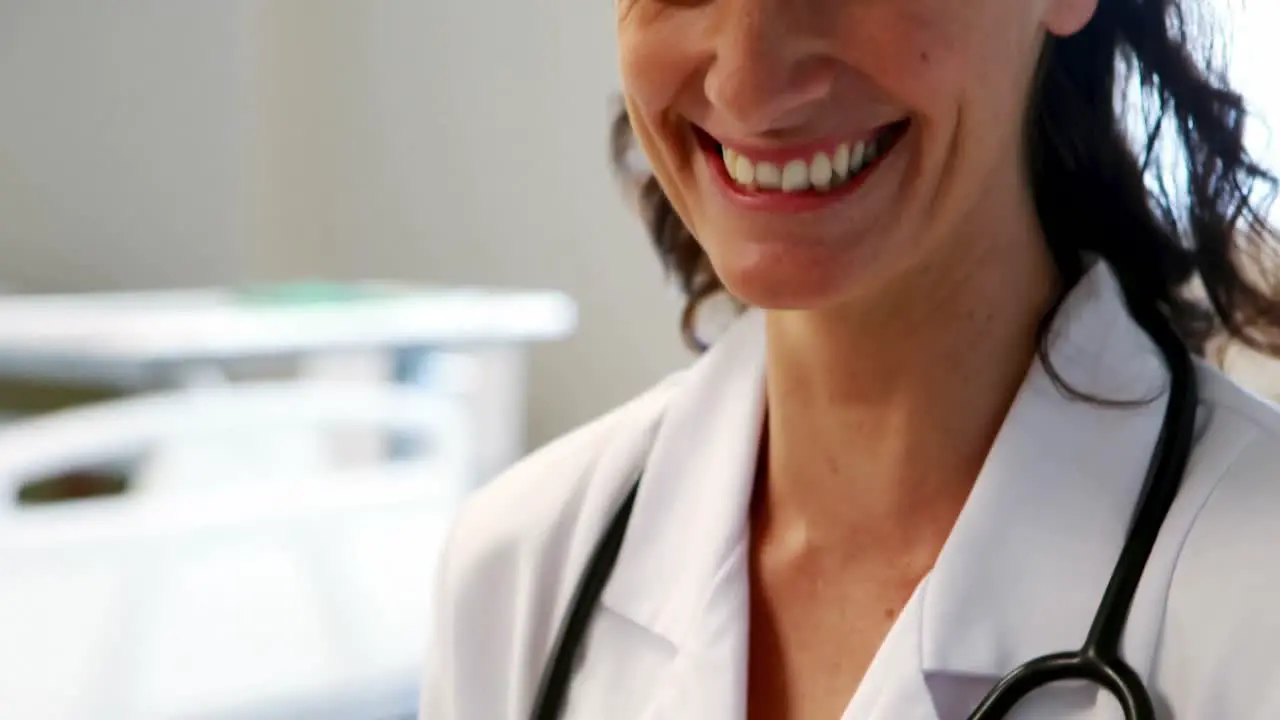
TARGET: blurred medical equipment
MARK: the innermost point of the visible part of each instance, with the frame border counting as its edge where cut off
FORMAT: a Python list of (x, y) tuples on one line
[(237, 576), (472, 339)]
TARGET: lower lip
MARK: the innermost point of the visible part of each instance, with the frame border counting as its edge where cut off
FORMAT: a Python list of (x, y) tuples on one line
[(776, 201)]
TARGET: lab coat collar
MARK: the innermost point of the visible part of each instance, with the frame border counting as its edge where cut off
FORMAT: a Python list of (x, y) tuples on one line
[(1041, 529), (690, 512), (1051, 507)]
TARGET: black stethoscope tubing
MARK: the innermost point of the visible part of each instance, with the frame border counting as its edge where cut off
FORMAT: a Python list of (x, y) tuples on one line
[(1097, 661)]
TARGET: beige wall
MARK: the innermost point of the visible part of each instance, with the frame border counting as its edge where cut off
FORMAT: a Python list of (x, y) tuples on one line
[(122, 141), (466, 150), (165, 142)]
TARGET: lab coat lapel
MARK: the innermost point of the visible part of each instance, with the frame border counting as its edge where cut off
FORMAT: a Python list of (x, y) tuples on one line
[(1020, 576), (1031, 552), (892, 689), (708, 676), (680, 580)]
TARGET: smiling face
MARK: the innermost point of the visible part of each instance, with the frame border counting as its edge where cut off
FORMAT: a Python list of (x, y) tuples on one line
[(820, 149)]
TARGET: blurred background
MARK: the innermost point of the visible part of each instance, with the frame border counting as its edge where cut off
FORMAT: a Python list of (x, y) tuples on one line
[(280, 282)]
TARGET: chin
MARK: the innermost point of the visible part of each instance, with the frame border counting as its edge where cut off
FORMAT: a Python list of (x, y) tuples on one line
[(772, 264), (793, 283)]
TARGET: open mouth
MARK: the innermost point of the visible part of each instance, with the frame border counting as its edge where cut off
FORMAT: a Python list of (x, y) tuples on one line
[(841, 167)]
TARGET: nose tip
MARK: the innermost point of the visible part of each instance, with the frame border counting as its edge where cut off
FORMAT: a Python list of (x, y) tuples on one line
[(765, 74)]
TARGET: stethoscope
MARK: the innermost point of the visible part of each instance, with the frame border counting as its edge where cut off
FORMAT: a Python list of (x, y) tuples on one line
[(1098, 661)]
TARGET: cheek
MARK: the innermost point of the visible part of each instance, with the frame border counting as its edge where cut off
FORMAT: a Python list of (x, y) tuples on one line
[(938, 54), (962, 67), (916, 52), (659, 61), (658, 56)]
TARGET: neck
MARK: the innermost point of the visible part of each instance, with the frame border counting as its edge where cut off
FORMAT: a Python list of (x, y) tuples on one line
[(879, 421)]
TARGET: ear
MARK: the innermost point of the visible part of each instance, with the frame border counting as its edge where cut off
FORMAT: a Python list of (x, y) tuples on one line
[(1068, 17)]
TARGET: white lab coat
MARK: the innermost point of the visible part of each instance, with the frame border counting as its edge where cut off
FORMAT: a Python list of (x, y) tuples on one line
[(1020, 576)]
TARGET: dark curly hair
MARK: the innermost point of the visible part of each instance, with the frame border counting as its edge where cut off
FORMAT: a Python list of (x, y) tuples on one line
[(1099, 191)]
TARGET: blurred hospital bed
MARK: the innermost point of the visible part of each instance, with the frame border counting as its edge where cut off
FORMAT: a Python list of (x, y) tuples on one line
[(242, 571), (180, 538), (60, 350)]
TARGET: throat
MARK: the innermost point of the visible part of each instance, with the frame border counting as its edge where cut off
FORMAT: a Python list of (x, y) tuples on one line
[(817, 622), (881, 414), (891, 444)]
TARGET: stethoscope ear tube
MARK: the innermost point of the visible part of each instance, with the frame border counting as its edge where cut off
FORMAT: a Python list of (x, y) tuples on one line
[(559, 673), (1098, 660)]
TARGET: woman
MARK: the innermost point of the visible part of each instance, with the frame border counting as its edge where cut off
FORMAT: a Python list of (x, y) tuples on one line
[(911, 465)]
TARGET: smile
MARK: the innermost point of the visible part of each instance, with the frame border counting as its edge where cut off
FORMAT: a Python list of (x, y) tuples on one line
[(816, 172)]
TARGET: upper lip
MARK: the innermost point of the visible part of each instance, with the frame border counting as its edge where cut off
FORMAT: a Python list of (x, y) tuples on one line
[(781, 153)]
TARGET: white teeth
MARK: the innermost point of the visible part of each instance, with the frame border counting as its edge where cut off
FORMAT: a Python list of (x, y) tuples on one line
[(820, 171), (857, 157), (744, 171), (730, 163), (840, 161), (768, 176), (795, 176)]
